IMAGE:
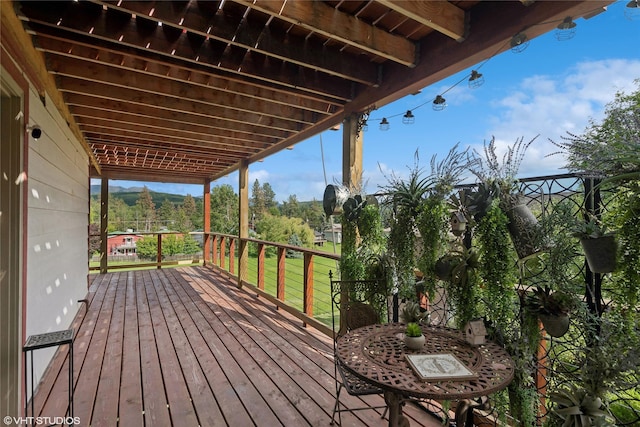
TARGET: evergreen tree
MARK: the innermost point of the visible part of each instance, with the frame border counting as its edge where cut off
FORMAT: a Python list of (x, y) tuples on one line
[(166, 213), (146, 209), (257, 203)]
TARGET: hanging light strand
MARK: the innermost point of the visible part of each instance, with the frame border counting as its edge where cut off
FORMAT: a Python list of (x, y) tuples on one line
[(475, 79)]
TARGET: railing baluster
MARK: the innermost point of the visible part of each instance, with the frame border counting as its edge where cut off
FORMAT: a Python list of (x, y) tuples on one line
[(280, 276)]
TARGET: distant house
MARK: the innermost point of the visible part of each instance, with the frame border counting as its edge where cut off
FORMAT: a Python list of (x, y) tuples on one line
[(122, 242), (334, 235)]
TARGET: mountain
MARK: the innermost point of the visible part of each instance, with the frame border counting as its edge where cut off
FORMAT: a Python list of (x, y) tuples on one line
[(130, 195), (95, 189)]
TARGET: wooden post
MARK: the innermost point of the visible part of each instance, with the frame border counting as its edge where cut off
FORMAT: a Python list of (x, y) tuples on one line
[(243, 226), (206, 241), (352, 151), (308, 284), (223, 249), (104, 224), (280, 274), (261, 256), (232, 255), (159, 254), (214, 255)]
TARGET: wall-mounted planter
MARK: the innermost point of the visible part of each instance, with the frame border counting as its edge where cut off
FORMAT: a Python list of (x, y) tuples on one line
[(522, 227), (600, 253)]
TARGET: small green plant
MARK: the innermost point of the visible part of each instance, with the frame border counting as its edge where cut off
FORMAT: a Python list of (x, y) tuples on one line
[(591, 228), (413, 330)]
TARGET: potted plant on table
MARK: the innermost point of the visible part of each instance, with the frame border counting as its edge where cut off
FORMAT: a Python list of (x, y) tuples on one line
[(413, 337)]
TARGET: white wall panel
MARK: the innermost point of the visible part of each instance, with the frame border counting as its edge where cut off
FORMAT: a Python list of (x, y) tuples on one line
[(57, 224)]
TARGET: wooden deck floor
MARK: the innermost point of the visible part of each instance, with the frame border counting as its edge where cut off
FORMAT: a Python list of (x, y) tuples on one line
[(184, 347)]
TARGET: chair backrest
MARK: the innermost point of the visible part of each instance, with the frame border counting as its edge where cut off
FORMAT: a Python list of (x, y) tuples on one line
[(357, 303)]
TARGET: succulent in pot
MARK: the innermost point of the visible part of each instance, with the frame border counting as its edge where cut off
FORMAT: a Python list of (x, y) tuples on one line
[(413, 337), (552, 308)]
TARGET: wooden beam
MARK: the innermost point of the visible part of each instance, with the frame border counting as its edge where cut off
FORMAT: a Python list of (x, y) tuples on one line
[(86, 103), (14, 35), (241, 63), (91, 72), (439, 15), (336, 25), (251, 38), (168, 102), (180, 131), (352, 153)]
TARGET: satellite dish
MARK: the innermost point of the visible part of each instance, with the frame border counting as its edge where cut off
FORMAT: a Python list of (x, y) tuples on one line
[(333, 199)]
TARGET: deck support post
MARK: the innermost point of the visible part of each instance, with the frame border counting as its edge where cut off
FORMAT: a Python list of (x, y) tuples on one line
[(243, 218), (104, 223), (352, 151), (206, 238)]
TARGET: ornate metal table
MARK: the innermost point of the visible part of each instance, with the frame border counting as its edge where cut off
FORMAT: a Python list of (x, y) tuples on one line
[(377, 354)]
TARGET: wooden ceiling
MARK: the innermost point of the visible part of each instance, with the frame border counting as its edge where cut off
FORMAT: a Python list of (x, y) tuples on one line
[(183, 91)]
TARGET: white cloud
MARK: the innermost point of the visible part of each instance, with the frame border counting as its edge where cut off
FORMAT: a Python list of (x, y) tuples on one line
[(551, 106)]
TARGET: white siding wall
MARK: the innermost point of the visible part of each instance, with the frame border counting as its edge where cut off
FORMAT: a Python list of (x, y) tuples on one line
[(57, 217)]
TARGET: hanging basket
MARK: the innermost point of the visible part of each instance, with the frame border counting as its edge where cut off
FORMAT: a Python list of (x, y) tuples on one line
[(522, 227), (600, 253), (555, 325)]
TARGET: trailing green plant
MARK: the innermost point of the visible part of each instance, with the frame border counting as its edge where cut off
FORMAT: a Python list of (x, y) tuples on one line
[(462, 284), (432, 224), (497, 269)]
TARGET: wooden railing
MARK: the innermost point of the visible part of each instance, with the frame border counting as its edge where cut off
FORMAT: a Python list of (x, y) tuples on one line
[(122, 261), (299, 285)]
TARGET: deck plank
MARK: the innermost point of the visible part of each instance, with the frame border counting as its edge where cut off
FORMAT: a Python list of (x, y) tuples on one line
[(130, 401), (186, 347), (105, 411)]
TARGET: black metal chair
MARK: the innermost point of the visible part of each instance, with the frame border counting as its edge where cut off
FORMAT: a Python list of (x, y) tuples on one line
[(355, 303)]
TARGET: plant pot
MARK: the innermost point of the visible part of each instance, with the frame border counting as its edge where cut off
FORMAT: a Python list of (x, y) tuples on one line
[(522, 227), (600, 253), (414, 343), (555, 325), (444, 266)]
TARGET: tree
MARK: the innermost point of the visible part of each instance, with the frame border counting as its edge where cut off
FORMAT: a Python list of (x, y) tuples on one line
[(291, 208), (269, 197), (257, 204), (146, 209), (224, 210), (167, 213), (280, 229), (190, 209)]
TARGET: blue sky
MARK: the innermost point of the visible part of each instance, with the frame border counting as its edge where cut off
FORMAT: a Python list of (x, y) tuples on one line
[(548, 89)]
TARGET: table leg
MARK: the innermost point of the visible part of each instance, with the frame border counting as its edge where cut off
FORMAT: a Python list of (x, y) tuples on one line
[(396, 418)]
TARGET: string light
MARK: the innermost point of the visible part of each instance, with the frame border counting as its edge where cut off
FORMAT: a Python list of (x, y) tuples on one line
[(475, 80), (566, 29), (632, 11), (518, 43), (439, 103), (408, 118)]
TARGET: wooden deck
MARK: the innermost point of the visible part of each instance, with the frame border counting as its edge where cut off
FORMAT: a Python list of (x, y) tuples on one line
[(185, 347)]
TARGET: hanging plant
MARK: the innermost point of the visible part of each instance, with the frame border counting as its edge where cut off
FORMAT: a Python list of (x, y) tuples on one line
[(497, 268), (499, 175)]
